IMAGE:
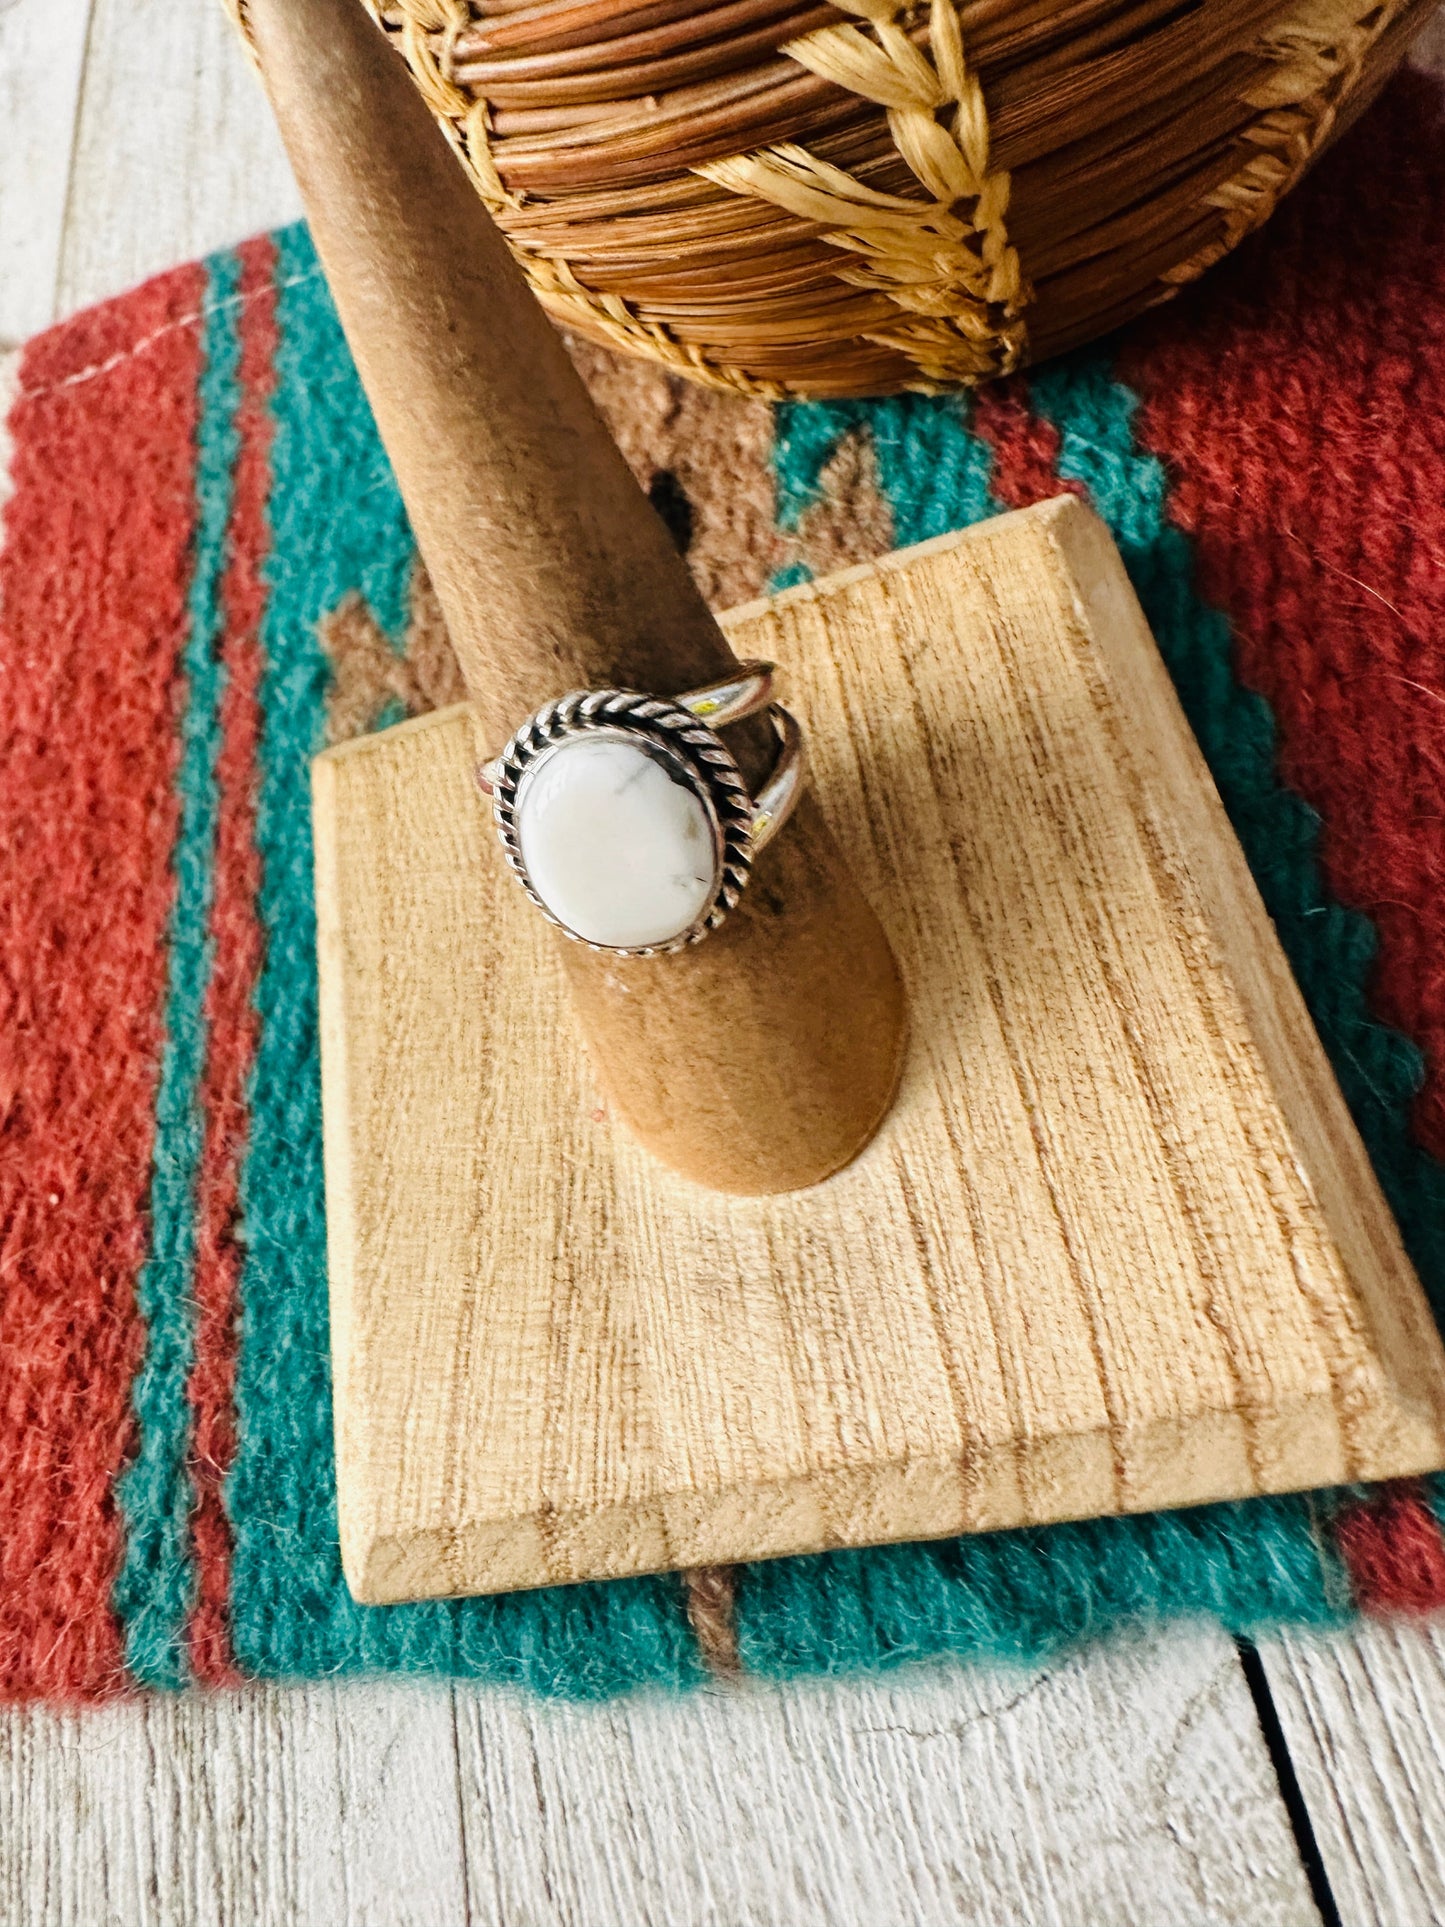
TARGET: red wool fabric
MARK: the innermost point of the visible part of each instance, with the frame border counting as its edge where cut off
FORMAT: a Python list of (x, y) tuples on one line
[(90, 631), (1392, 1549), (1298, 400), (1025, 447)]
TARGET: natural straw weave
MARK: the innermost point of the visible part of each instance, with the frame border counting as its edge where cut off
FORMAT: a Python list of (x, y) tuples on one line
[(790, 198)]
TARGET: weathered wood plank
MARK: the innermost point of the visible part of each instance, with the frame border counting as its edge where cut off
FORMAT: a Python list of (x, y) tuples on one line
[(42, 57), (1363, 1712), (1122, 1788), (175, 151), (323, 1805)]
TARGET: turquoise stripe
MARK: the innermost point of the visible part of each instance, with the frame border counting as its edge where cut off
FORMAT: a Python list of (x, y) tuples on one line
[(338, 527), (933, 471), (156, 1584), (1023, 1597)]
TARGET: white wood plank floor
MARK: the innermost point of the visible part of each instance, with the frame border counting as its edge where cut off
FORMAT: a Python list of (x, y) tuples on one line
[(1129, 1786), (1363, 1714), (1133, 1784)]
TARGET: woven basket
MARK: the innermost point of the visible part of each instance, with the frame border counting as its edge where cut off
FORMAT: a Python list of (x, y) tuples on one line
[(788, 198)]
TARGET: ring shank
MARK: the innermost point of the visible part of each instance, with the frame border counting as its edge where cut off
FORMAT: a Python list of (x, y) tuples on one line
[(719, 703), (774, 802)]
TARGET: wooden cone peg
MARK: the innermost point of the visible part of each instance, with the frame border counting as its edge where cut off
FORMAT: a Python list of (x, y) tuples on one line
[(764, 1057)]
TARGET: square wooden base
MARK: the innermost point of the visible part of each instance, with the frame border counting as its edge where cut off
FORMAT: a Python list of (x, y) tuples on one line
[(1117, 1247)]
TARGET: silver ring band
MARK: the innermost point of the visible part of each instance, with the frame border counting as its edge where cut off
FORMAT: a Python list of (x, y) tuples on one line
[(625, 817), (774, 802), (720, 703)]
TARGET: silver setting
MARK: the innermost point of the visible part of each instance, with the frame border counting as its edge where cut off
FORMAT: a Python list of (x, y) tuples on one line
[(675, 734)]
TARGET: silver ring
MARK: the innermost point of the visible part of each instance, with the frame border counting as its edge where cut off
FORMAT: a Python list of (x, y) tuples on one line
[(626, 818)]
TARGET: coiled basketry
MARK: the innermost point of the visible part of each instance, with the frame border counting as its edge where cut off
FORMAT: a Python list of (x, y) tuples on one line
[(789, 198)]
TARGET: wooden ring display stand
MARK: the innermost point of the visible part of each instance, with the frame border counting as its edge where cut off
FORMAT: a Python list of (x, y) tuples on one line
[(764, 1058), (1115, 1245)]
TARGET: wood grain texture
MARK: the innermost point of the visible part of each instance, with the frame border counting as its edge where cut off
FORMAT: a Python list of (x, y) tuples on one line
[(1116, 1247), (1122, 1789), (175, 152), (1363, 1713), (42, 57)]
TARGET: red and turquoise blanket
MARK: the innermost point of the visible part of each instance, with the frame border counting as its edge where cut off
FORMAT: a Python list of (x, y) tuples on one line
[(206, 571)]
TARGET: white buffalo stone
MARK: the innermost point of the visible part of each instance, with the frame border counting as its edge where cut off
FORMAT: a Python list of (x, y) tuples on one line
[(617, 849)]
